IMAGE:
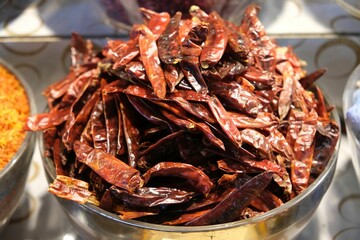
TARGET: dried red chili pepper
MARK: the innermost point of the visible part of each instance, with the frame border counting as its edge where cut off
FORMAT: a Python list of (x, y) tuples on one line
[(108, 167), (151, 196), (215, 43), (205, 112), (169, 43), (194, 176), (149, 56), (230, 207)]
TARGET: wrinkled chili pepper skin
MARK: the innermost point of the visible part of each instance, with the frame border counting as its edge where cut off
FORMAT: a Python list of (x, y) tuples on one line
[(70, 188), (190, 121), (107, 166), (149, 55), (169, 43), (194, 176), (151, 196), (230, 208), (215, 43)]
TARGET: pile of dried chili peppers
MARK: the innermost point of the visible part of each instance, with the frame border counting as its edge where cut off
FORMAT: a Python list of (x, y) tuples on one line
[(14, 111), (190, 122)]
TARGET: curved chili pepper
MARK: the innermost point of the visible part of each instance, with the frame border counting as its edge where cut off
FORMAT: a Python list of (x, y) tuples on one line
[(230, 208), (309, 79), (279, 144), (196, 109), (150, 58), (193, 75), (75, 126), (321, 106), (56, 90), (108, 167), (151, 196), (131, 133), (285, 97), (124, 52), (262, 47), (263, 120), (156, 22), (70, 188), (224, 121), (169, 43), (98, 129), (192, 126), (258, 141), (304, 151), (192, 175), (215, 43), (236, 97)]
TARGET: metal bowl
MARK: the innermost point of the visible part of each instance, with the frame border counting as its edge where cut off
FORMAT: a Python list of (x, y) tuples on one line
[(14, 175), (284, 222), (351, 108)]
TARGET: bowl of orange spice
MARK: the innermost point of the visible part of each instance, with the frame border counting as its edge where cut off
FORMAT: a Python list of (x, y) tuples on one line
[(16, 144)]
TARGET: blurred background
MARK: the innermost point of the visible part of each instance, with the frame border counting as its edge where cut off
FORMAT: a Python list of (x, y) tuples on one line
[(34, 38)]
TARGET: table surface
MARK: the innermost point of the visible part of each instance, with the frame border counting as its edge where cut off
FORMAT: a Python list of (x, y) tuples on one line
[(320, 31)]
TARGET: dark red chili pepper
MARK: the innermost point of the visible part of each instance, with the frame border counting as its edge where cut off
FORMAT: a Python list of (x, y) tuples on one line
[(304, 151), (156, 22), (108, 167), (236, 97), (150, 58), (98, 127), (225, 121), (258, 141), (263, 120), (285, 98), (231, 206), (193, 75), (169, 42), (131, 133), (123, 53), (173, 76), (197, 109), (192, 126), (111, 122), (74, 128), (309, 80), (151, 196), (215, 43), (192, 175), (70, 188)]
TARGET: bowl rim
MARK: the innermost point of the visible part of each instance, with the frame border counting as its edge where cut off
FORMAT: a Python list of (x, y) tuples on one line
[(31, 101), (349, 89), (50, 170)]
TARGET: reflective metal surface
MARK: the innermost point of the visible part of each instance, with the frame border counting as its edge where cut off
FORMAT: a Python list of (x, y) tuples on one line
[(14, 175), (352, 85)]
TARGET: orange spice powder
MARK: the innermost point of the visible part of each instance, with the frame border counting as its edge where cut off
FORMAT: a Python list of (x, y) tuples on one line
[(14, 111)]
